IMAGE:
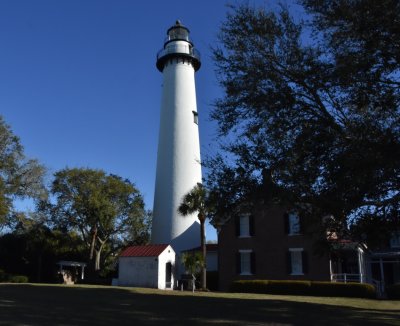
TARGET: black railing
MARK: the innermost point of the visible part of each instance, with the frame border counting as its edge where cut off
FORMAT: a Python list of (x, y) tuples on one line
[(182, 49)]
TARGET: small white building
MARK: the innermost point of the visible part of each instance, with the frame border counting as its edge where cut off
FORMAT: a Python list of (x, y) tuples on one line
[(150, 266)]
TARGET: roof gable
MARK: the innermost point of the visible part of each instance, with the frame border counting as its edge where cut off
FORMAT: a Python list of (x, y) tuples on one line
[(144, 251)]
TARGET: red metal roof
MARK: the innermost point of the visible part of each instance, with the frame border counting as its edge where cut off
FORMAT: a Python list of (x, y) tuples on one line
[(144, 251)]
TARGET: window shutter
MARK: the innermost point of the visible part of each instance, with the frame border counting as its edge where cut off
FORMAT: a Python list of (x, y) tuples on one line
[(304, 259), (237, 225), (251, 225), (286, 222), (238, 263), (288, 262), (253, 262), (301, 222)]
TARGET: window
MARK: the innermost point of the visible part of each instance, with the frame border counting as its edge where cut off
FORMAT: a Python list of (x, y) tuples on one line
[(395, 240), (292, 223), (244, 226), (195, 117), (296, 261), (245, 262)]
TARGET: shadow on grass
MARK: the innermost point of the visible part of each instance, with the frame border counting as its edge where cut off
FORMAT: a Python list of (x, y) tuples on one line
[(54, 305)]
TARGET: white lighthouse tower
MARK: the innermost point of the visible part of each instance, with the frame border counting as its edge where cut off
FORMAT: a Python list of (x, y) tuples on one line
[(178, 157)]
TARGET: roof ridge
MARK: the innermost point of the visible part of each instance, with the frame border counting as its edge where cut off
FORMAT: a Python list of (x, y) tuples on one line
[(150, 250)]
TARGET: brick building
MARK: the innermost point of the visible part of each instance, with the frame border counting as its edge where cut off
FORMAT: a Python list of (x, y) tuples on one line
[(274, 243)]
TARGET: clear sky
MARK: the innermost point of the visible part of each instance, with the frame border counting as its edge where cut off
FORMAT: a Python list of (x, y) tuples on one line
[(79, 86)]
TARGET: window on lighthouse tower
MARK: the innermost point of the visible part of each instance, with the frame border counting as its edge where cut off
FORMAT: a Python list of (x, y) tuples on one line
[(195, 117)]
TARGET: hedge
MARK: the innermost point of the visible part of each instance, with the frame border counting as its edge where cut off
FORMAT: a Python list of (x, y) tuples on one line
[(288, 287), (329, 289), (18, 279), (338, 289), (10, 278), (393, 291), (249, 286)]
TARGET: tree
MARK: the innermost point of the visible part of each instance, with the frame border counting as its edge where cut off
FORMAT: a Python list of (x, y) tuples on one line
[(33, 249), (197, 200), (317, 102), (104, 209), (19, 177), (193, 262)]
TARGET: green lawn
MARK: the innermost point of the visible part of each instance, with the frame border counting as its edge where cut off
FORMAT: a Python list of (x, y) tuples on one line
[(29, 304)]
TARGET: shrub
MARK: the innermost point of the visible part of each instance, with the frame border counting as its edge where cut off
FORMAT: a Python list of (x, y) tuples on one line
[(9, 278), (289, 287), (304, 288), (393, 291), (18, 279), (352, 290), (249, 286)]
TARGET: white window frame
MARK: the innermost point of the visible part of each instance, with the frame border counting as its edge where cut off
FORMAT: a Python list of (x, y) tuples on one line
[(244, 226), (296, 253), (245, 264), (294, 223)]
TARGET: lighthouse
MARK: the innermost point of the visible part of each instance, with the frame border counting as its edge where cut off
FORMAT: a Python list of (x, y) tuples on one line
[(178, 156)]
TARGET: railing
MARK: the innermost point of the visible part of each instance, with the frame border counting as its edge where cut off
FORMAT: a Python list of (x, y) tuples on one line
[(347, 278), (183, 37), (179, 48)]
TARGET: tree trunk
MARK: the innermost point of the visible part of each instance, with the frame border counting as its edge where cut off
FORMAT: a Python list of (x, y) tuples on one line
[(98, 255), (203, 252), (97, 261), (93, 243), (39, 267)]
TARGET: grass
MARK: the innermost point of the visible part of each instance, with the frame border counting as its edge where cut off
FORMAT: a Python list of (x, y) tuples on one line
[(30, 304)]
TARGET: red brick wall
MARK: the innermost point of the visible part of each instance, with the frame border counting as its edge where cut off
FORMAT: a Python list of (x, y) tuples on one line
[(270, 244)]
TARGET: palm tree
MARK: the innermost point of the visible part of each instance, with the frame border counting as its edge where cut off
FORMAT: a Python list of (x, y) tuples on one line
[(193, 262), (196, 201)]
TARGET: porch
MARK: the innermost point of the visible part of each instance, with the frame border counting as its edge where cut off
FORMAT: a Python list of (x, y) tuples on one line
[(379, 268), (348, 263), (385, 268)]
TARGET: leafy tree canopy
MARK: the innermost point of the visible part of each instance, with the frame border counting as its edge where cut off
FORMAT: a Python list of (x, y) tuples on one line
[(19, 177), (105, 209), (193, 262), (316, 103)]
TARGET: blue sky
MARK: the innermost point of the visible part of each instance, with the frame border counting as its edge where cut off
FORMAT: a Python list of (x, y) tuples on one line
[(79, 86)]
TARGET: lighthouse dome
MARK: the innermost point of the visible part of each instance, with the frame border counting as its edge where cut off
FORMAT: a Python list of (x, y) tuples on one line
[(178, 45), (178, 32)]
